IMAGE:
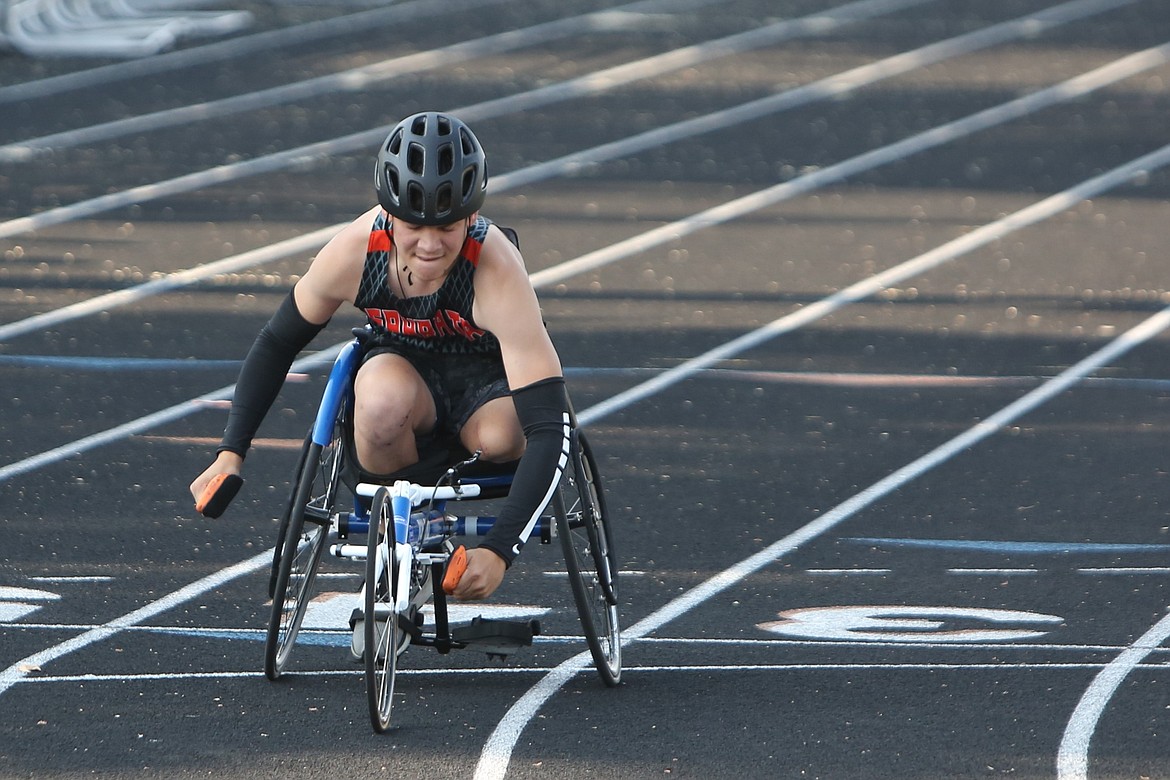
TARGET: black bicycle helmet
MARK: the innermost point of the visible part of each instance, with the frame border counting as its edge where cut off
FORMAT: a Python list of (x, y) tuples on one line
[(431, 170)]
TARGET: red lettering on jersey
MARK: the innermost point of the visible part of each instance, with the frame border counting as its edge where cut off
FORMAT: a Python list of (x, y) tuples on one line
[(445, 323), (463, 326), (377, 317)]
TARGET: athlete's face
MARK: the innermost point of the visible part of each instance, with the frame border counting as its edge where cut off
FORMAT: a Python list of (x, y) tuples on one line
[(427, 252)]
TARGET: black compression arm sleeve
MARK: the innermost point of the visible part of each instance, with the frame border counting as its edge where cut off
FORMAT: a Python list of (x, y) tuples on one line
[(262, 375), (543, 409)]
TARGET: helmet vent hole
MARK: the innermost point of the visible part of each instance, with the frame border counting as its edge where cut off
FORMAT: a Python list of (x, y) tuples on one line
[(443, 199), (468, 183), (416, 158), (446, 159), (416, 198), (419, 125), (395, 143), (467, 142), (392, 177), (444, 125)]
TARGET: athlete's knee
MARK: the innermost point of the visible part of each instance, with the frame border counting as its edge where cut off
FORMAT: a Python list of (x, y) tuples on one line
[(381, 420), (390, 401), (499, 443)]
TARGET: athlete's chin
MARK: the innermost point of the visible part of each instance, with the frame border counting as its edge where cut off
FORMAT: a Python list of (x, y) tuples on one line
[(430, 270)]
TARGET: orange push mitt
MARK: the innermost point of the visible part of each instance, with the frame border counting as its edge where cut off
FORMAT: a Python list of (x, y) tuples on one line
[(455, 568), (218, 494)]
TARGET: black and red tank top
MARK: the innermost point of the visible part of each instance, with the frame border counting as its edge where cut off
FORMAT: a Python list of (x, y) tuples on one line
[(437, 323)]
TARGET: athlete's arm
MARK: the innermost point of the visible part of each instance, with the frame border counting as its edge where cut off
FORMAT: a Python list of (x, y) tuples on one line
[(300, 317), (506, 305)]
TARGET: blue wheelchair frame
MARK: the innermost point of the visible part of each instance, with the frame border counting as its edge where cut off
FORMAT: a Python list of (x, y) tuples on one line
[(338, 399), (402, 567)]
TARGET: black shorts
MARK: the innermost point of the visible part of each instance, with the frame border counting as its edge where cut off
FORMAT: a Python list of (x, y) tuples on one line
[(459, 385)]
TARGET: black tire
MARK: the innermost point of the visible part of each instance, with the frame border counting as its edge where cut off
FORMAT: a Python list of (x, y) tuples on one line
[(278, 550), (382, 636), (315, 494), (583, 528)]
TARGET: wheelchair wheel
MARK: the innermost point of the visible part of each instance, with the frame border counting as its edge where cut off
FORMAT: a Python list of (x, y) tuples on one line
[(582, 524), (314, 494), (278, 550), (383, 634)]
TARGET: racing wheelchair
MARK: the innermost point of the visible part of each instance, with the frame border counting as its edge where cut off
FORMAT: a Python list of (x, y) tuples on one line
[(410, 526)]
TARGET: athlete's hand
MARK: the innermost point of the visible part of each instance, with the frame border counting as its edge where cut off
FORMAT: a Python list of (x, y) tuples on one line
[(225, 463), (485, 572)]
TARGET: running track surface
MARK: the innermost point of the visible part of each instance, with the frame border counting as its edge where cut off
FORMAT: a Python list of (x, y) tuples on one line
[(862, 305)]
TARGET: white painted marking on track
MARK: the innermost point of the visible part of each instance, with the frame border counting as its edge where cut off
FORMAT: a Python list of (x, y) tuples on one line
[(624, 573), (1072, 758), (996, 572), (12, 611), (901, 623), (848, 572), (772, 642), (1126, 570), (19, 670), (8, 593), (331, 611), (490, 671), (14, 604)]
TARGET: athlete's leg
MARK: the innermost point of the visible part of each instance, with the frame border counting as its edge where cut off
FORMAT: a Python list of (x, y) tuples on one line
[(391, 405), (494, 429)]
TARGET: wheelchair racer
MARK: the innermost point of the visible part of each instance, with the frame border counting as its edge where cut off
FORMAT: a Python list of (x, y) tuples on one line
[(458, 344)]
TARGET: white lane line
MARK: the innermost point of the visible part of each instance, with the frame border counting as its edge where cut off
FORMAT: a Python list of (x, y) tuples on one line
[(1072, 758), (487, 671), (353, 80), (150, 421), (995, 572), (18, 671), (768, 643), (1124, 570), (246, 45), (322, 152), (497, 752), (67, 579), (829, 87), (848, 572)]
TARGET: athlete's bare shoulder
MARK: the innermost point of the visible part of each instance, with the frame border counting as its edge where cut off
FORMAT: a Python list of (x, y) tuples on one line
[(335, 273), (498, 249)]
